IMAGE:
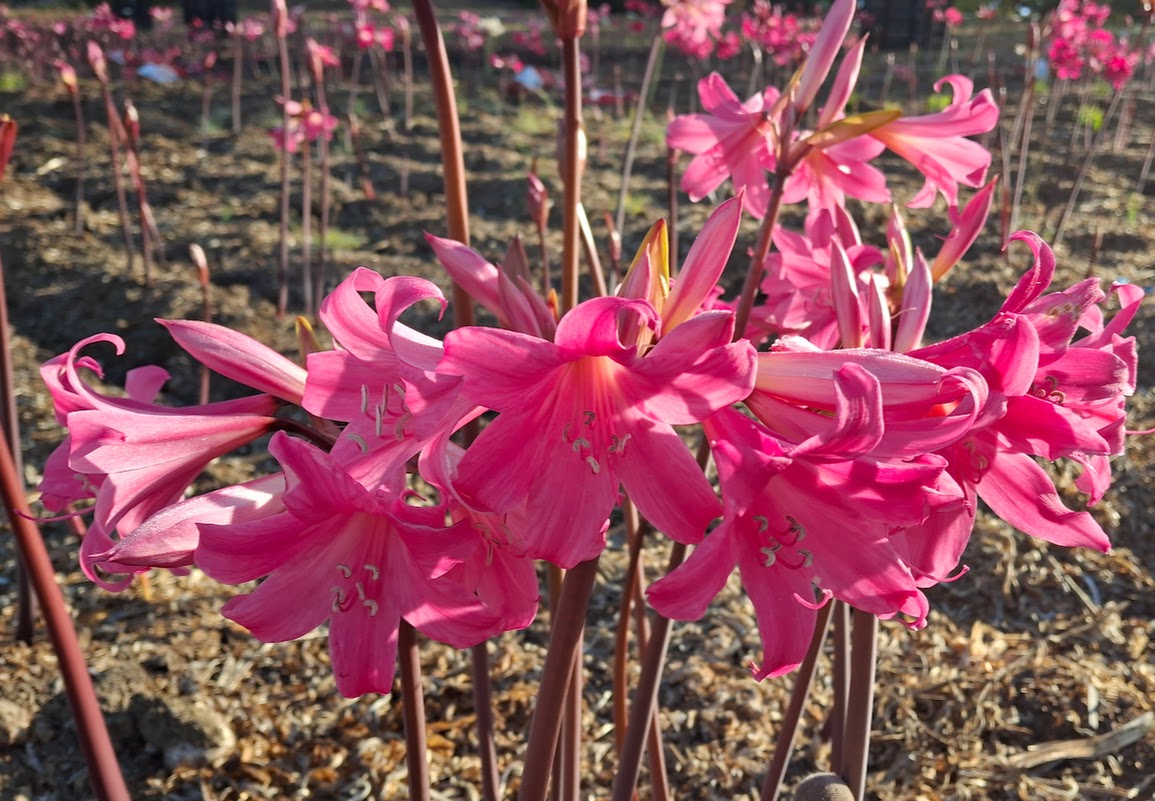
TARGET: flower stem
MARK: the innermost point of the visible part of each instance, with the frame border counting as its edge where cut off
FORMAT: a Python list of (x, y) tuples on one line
[(860, 705), (103, 769), (803, 681), (557, 673), (841, 689), (646, 698), (449, 129), (572, 166), (413, 712), (758, 258), (283, 243), (635, 129), (483, 709)]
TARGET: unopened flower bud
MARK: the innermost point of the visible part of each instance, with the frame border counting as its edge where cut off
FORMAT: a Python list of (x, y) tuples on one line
[(568, 17)]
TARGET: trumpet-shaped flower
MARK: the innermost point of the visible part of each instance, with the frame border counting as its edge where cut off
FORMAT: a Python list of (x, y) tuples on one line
[(937, 146), (354, 555), (135, 457), (731, 140), (583, 413), (787, 505), (1059, 401)]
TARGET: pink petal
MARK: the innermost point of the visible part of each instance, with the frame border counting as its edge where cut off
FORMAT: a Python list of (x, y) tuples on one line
[(1020, 492), (664, 481), (239, 357)]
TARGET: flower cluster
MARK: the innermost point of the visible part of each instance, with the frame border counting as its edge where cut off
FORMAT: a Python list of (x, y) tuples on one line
[(850, 456), (1080, 39)]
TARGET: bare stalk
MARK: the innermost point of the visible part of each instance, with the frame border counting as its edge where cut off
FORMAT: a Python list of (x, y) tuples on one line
[(860, 701), (413, 713), (803, 681), (95, 743), (635, 129), (557, 673), (572, 163)]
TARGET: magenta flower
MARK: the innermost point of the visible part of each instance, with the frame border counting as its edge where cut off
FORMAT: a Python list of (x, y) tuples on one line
[(787, 506), (132, 456), (937, 146), (357, 556), (583, 413), (1061, 399), (731, 140)]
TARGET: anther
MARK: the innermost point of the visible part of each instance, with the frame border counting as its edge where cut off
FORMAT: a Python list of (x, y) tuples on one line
[(371, 605), (360, 440), (374, 571), (771, 556), (593, 463), (589, 417), (364, 399), (346, 571)]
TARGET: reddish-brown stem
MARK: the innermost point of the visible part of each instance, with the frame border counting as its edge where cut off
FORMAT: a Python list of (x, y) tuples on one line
[(448, 126), (556, 675), (25, 599), (103, 769), (323, 231), (238, 69), (644, 708), (635, 129), (841, 682), (362, 162), (860, 700), (149, 236), (483, 709), (115, 137), (283, 245), (407, 61), (803, 679), (572, 166), (758, 258), (196, 252), (413, 713), (81, 140), (307, 224)]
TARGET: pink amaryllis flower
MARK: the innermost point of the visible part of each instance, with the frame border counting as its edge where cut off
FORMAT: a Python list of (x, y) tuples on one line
[(731, 140), (355, 555), (1060, 399), (585, 413), (937, 146), (787, 506), (133, 456)]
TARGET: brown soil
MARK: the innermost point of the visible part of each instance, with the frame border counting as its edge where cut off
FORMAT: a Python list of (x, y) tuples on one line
[(1035, 644)]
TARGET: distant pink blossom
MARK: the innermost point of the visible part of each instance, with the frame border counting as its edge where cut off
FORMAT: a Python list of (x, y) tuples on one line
[(730, 140)]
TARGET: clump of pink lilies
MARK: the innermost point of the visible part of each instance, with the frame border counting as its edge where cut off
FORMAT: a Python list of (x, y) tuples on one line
[(849, 455)]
